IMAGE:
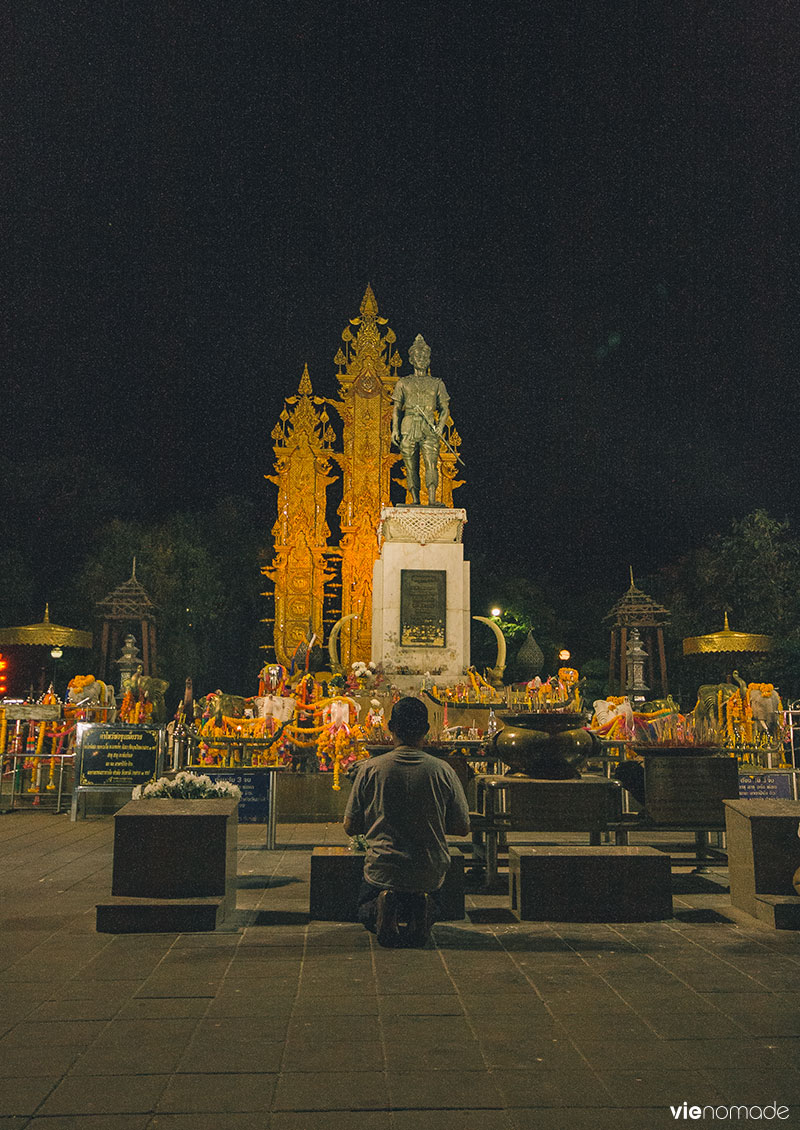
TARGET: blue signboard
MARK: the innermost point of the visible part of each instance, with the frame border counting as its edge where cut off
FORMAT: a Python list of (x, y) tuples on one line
[(765, 786), (256, 786)]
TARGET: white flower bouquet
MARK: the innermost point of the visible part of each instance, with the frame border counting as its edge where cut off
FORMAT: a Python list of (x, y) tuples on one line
[(187, 786)]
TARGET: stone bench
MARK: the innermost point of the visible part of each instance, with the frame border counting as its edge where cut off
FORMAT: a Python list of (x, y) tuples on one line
[(589, 884), (336, 876), (174, 867), (763, 855)]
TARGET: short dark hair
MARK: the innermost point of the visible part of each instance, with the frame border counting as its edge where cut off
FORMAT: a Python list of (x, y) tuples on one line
[(409, 720)]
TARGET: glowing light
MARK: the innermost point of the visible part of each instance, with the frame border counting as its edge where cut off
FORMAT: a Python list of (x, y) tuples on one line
[(496, 612), (564, 655)]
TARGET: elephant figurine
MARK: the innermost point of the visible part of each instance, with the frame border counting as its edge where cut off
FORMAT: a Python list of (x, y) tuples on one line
[(611, 714), (85, 693), (221, 705), (708, 722), (766, 707), (148, 687), (657, 705)]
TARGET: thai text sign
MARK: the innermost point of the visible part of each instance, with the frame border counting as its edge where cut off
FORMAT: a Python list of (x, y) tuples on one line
[(423, 607), (117, 756), (765, 786), (256, 786)]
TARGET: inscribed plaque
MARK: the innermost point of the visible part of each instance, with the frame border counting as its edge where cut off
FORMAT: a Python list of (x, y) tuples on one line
[(423, 607), (117, 756)]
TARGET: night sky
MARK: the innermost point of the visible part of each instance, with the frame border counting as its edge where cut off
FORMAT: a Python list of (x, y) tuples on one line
[(588, 210)]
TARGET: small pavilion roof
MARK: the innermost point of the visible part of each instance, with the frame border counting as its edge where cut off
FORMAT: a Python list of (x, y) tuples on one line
[(635, 609), (128, 601)]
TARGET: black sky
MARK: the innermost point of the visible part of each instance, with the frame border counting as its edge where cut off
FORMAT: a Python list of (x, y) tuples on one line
[(587, 209)]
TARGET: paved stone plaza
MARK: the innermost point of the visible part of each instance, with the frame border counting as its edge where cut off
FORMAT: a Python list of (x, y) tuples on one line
[(280, 1023)]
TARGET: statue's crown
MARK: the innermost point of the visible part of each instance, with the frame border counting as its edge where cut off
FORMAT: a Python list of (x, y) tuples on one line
[(420, 345)]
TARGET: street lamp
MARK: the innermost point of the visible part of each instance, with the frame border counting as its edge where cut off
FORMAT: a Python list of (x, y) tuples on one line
[(55, 655)]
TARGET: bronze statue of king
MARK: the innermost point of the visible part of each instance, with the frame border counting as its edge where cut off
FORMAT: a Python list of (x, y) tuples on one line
[(421, 407)]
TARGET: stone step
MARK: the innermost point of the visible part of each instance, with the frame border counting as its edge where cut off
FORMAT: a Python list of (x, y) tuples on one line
[(782, 912), (159, 916)]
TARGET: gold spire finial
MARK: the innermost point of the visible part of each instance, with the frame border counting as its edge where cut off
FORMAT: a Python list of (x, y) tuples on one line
[(133, 570), (304, 388), (46, 613), (369, 305), (631, 569), (727, 629)]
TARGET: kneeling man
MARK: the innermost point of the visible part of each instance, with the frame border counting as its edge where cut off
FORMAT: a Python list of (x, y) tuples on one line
[(405, 803)]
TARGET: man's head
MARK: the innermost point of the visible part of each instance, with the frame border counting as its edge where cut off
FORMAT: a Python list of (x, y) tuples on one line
[(409, 720)]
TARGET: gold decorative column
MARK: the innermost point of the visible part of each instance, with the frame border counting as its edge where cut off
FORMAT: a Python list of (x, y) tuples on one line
[(367, 365), (303, 438)]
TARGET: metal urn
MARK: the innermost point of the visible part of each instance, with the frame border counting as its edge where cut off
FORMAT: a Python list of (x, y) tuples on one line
[(550, 746)]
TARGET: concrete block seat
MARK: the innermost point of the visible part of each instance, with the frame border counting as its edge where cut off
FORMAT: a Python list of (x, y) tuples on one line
[(589, 884), (336, 876), (763, 856), (174, 866), (160, 916)]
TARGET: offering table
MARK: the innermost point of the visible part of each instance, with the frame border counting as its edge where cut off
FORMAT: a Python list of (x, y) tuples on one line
[(590, 803)]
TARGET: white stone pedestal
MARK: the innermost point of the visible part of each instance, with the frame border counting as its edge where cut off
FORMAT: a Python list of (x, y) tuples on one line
[(420, 539)]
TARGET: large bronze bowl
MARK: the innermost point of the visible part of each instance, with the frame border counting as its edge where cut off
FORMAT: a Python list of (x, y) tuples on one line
[(548, 745)]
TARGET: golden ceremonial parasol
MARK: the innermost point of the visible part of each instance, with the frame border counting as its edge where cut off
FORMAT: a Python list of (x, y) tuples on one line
[(726, 641), (45, 634)]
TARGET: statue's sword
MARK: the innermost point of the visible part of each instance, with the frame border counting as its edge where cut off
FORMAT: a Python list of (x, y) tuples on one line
[(421, 412)]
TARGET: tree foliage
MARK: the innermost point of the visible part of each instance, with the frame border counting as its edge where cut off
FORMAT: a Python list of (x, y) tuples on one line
[(202, 572), (525, 607), (752, 573)]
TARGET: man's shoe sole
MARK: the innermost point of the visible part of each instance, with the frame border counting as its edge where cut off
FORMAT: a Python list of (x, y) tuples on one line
[(386, 921), (418, 931)]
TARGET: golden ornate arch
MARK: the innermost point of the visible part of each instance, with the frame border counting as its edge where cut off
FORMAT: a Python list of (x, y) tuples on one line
[(368, 364)]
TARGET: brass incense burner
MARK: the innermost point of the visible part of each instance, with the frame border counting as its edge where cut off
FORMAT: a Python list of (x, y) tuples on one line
[(545, 745)]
